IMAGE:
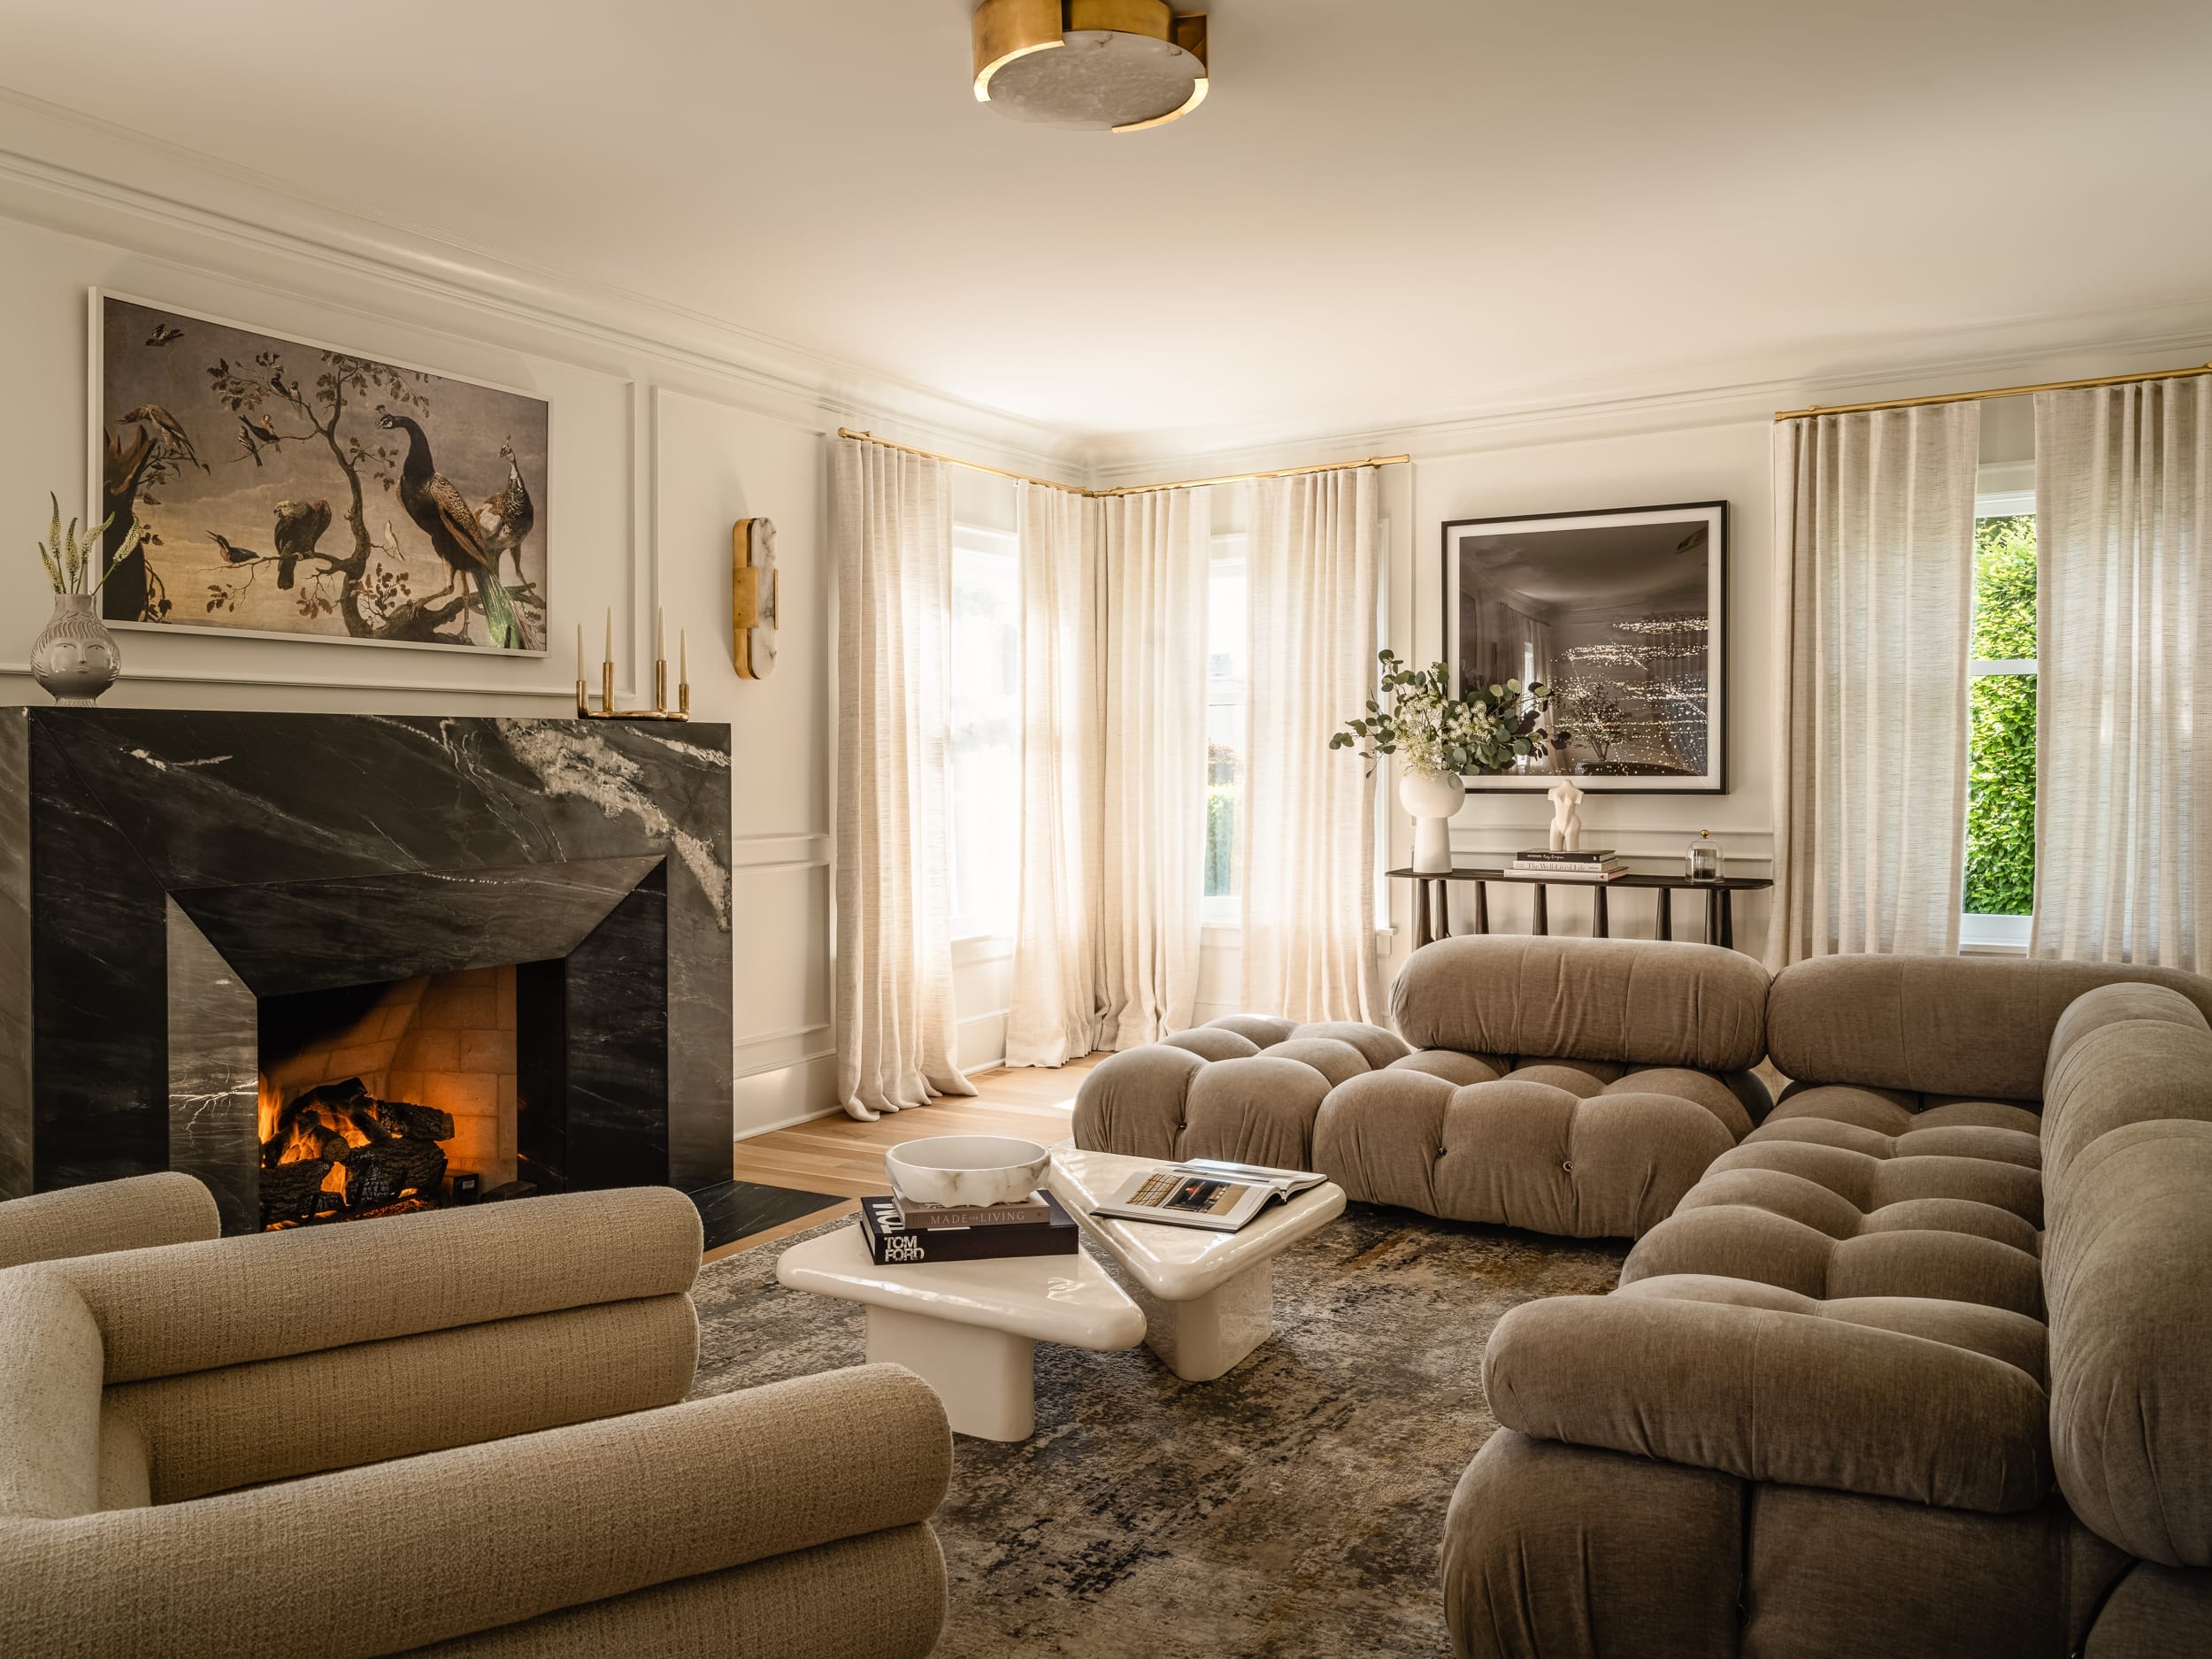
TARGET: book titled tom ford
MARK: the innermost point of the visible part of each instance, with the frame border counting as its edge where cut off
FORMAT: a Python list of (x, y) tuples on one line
[(891, 1242)]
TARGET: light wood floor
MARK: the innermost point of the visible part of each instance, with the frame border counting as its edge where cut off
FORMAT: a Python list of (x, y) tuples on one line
[(841, 1156)]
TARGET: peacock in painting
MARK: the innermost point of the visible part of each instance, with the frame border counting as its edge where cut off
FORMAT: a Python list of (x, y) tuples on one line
[(441, 512)]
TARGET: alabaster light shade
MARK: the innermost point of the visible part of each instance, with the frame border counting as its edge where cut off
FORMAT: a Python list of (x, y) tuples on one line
[(1105, 65)]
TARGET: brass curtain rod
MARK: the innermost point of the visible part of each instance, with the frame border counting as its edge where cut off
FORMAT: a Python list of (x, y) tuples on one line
[(1125, 489), (2001, 391)]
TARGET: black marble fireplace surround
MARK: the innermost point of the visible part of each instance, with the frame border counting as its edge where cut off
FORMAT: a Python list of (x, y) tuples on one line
[(162, 871)]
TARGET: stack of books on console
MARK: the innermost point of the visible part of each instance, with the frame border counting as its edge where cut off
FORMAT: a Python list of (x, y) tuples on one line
[(1595, 865), (898, 1231)]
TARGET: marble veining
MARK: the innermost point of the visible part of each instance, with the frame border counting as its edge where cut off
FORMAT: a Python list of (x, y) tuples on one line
[(161, 869)]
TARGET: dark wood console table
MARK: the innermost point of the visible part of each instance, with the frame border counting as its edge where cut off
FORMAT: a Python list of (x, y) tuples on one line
[(1431, 919)]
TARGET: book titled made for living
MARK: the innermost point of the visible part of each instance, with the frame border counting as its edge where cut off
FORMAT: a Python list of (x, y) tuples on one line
[(891, 1242)]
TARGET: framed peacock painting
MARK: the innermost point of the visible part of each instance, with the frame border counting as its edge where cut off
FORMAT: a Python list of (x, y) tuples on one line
[(295, 490)]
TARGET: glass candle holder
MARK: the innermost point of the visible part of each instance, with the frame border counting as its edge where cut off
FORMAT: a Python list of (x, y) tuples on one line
[(1701, 862)]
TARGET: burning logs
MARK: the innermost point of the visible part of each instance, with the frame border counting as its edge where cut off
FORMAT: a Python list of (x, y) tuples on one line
[(338, 1150)]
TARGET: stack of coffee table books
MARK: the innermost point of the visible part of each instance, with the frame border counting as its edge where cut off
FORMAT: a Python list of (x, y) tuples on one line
[(900, 1231), (1601, 864)]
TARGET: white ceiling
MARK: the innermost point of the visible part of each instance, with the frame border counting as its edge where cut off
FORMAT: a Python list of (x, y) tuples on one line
[(1388, 210)]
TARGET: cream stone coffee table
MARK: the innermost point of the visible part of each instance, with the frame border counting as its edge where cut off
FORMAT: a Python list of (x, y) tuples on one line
[(1208, 1298), (970, 1329)]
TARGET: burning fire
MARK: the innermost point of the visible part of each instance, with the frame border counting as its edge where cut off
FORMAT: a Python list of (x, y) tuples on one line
[(304, 1138), (366, 1154)]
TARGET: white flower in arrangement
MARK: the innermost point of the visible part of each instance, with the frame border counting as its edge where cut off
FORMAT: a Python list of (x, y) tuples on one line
[(1435, 734)]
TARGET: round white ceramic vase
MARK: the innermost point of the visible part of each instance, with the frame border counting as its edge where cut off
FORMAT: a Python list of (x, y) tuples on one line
[(74, 657), (1433, 798)]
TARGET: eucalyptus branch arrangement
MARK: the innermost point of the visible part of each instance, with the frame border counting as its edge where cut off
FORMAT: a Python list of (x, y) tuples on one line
[(1435, 734), (69, 559)]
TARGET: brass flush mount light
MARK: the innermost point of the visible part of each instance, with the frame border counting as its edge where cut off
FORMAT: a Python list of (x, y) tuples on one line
[(1118, 66)]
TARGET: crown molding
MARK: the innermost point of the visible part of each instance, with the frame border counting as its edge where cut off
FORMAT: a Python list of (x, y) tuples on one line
[(83, 176), (2050, 348)]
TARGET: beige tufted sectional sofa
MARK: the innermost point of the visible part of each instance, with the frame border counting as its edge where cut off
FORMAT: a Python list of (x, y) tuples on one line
[(1922, 1367), (1571, 1086)]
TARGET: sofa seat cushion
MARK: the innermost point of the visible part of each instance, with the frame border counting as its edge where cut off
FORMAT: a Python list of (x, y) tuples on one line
[(1580, 1147), (1896, 1112), (1763, 1243), (2002, 1146), (1780, 1393), (1870, 1180), (2014, 1338), (1515, 1153)]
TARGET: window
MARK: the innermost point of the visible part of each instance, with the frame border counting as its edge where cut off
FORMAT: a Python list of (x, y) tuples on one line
[(1228, 644), (985, 714), (2000, 733)]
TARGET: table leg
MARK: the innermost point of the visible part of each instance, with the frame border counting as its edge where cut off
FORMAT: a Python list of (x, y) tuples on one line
[(1421, 933), (1600, 923), (1482, 907), (1208, 1335), (1727, 917), (985, 1378), (1712, 916), (1665, 929), (1543, 910)]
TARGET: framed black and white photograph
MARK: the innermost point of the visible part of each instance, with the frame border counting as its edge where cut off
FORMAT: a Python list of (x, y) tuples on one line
[(299, 490), (1619, 616)]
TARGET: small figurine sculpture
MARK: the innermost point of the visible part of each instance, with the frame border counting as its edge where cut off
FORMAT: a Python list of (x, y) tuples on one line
[(1566, 823)]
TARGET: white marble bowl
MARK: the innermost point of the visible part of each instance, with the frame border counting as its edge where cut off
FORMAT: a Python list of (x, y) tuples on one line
[(966, 1169)]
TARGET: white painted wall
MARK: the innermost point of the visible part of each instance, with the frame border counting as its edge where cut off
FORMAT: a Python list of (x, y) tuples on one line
[(665, 429)]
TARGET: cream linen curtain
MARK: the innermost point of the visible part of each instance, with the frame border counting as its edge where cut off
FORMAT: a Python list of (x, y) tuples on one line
[(2123, 622), (893, 970), (1053, 1014), (1874, 542), (1309, 840), (1154, 549)]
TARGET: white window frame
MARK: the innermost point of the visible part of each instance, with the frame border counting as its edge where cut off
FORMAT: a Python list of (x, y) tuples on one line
[(968, 537), (2003, 490), (1230, 547)]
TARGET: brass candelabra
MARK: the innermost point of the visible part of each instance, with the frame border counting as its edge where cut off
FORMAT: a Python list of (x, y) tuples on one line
[(660, 710)]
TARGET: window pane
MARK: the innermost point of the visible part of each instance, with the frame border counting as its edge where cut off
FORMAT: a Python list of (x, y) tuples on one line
[(1226, 633), (2001, 739), (1227, 647), (2000, 797), (2004, 588), (1225, 783), (986, 713)]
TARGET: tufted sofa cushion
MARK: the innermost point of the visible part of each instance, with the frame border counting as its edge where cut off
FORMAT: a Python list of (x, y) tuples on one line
[(1523, 1149), (1571, 1086), (1973, 1027), (2127, 1261), (1891, 1401), (1634, 1001)]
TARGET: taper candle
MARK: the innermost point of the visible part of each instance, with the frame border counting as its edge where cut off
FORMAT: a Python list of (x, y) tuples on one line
[(660, 635), (580, 651), (683, 658), (609, 656)]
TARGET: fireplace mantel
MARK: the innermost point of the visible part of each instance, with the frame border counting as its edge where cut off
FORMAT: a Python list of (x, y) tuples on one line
[(160, 870)]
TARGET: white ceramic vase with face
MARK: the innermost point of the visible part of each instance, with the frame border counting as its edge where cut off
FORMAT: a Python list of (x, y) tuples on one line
[(74, 657), (1433, 798)]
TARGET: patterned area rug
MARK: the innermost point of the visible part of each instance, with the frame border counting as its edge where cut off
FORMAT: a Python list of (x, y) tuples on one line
[(1294, 1509)]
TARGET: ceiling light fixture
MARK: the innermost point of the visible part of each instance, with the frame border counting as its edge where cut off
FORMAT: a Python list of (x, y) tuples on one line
[(1118, 66)]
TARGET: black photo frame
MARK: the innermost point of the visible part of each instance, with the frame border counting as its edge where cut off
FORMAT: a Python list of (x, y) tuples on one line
[(1623, 611)]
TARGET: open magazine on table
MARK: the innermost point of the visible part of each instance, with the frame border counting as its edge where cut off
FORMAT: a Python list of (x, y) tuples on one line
[(1205, 1192)]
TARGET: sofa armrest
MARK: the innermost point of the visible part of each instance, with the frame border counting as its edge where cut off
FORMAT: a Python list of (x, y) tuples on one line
[(402, 1555), (135, 1214), (229, 1301), (1769, 1395)]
